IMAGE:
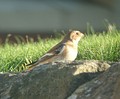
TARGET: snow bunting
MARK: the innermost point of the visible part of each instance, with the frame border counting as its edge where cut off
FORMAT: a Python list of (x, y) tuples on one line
[(64, 51)]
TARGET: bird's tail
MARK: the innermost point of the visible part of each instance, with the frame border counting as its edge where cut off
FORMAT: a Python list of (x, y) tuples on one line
[(32, 65)]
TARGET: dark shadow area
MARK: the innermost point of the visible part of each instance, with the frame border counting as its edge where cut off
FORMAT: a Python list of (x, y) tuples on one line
[(24, 37), (80, 80)]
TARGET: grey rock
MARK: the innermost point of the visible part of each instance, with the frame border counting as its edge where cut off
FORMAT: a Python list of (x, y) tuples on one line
[(52, 81), (105, 86)]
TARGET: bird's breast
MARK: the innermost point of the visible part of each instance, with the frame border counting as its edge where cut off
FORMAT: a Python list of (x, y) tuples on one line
[(70, 53)]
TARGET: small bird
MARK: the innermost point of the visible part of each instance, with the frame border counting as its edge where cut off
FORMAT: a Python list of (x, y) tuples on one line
[(64, 51)]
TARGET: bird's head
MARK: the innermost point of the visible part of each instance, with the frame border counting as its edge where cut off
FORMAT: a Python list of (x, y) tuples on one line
[(73, 36), (76, 35)]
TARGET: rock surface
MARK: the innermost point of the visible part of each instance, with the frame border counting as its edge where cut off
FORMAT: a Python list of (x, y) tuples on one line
[(61, 80), (105, 86)]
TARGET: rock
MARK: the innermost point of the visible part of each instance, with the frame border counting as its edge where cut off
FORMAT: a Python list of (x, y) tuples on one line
[(53, 81), (105, 86)]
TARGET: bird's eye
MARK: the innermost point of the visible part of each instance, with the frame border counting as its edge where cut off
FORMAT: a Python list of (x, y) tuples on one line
[(77, 33)]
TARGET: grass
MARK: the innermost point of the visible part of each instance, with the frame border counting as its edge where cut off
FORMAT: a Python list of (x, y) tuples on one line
[(105, 47)]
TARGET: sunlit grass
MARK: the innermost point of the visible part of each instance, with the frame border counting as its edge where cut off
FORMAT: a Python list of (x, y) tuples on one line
[(105, 47)]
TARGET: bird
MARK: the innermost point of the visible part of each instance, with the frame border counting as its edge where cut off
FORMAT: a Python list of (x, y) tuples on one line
[(65, 51)]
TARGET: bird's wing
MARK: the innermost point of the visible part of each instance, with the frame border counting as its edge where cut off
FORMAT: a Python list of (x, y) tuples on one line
[(59, 49), (50, 54)]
